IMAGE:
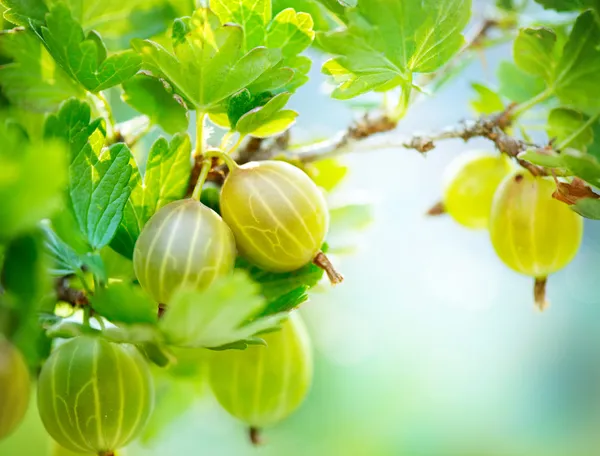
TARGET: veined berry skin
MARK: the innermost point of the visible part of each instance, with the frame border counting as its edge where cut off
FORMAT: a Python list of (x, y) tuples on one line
[(533, 233), (95, 396), (14, 388), (470, 183), (262, 385), (184, 243), (277, 213)]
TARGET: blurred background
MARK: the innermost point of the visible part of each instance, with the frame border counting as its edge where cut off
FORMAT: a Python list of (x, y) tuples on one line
[(431, 347)]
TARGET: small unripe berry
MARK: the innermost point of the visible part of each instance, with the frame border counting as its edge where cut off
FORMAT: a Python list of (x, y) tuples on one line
[(262, 385), (14, 388), (184, 243), (277, 213), (94, 395), (469, 186)]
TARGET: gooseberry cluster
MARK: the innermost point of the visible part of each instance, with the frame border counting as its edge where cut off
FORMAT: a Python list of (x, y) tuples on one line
[(531, 232)]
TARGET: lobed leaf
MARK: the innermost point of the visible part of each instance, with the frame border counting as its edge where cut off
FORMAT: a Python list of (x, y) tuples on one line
[(488, 101), (534, 52), (570, 128)]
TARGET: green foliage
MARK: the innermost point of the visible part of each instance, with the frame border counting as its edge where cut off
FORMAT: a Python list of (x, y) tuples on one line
[(165, 180), (570, 128), (149, 96), (528, 87), (488, 101), (568, 5), (534, 52), (122, 303), (386, 41)]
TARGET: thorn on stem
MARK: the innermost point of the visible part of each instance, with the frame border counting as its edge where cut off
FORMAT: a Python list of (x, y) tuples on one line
[(437, 209), (255, 436), (539, 293), (323, 262)]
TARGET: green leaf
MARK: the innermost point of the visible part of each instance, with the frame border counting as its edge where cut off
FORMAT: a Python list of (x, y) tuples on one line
[(572, 161), (149, 96), (588, 208), (291, 32), (516, 84), (209, 64), (252, 15), (217, 316), (568, 5), (123, 303), (73, 124), (269, 119), (65, 260), (488, 101), (99, 190), (21, 12), (328, 173), (534, 51), (387, 40), (25, 284), (322, 17), (346, 222), (31, 79), (577, 72), (165, 180), (83, 58), (33, 177), (570, 128)]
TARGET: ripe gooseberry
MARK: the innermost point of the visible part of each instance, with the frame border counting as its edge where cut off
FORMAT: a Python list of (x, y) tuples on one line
[(94, 395), (532, 232), (184, 243), (278, 215), (469, 186), (14, 388), (262, 385)]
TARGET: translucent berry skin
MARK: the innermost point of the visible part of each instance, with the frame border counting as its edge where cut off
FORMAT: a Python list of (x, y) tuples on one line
[(14, 388), (95, 396), (262, 385), (469, 186), (533, 233), (184, 243), (277, 213)]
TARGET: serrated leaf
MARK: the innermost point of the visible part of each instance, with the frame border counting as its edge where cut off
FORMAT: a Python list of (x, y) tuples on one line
[(252, 15), (166, 178), (125, 303), (31, 79), (99, 190), (269, 119), (73, 124), (149, 96), (488, 101), (217, 316), (291, 32), (81, 57), (527, 87), (577, 72), (65, 261), (570, 128), (534, 51), (209, 64), (23, 12), (387, 40), (31, 188), (323, 18)]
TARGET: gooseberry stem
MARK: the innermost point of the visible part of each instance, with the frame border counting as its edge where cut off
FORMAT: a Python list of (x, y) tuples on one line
[(216, 153), (437, 209), (200, 119), (255, 436), (527, 105), (323, 262), (236, 145), (539, 293), (206, 165)]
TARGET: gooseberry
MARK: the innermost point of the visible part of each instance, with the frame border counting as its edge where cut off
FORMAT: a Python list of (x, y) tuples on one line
[(94, 395), (14, 388), (184, 243), (262, 385), (532, 232), (277, 213), (469, 186)]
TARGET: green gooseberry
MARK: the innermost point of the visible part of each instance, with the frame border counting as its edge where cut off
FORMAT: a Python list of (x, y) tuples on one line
[(95, 396), (14, 388), (277, 213), (262, 385), (183, 244)]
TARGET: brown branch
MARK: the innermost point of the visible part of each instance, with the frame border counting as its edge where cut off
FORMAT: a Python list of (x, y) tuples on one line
[(75, 297)]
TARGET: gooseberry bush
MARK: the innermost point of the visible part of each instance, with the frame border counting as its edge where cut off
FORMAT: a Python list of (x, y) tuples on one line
[(160, 223)]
